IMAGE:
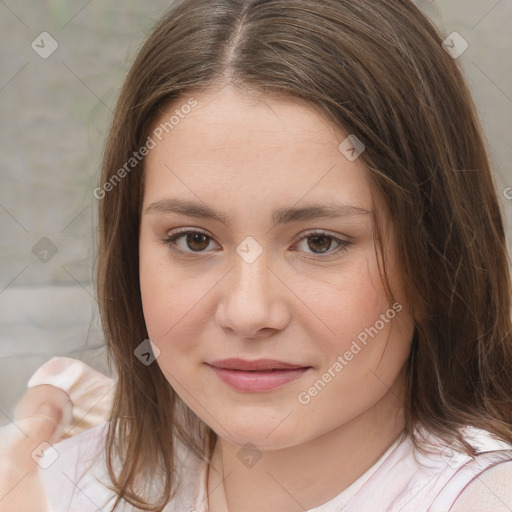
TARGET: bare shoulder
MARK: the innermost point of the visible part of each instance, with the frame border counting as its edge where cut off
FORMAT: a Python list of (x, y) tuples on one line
[(491, 491)]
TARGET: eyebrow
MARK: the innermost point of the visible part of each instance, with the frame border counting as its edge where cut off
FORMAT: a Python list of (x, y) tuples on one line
[(279, 216)]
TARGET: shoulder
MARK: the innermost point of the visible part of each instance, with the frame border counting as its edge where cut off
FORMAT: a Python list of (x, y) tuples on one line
[(464, 483), (490, 491), (487, 484)]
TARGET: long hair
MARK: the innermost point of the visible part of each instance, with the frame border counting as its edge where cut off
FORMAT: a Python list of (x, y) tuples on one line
[(378, 70)]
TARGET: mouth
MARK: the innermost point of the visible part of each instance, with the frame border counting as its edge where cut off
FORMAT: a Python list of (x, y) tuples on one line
[(256, 376), (256, 365)]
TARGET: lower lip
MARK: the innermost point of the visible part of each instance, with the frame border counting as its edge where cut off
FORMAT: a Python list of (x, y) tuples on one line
[(257, 380)]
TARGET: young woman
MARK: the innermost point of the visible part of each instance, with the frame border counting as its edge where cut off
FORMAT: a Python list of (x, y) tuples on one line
[(285, 212)]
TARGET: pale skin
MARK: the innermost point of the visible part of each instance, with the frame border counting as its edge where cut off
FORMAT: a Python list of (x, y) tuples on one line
[(245, 158), (283, 305)]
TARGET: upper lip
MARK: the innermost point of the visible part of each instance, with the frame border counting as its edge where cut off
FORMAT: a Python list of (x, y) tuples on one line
[(256, 364)]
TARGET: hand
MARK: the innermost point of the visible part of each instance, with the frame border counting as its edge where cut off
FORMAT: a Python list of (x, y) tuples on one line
[(40, 417)]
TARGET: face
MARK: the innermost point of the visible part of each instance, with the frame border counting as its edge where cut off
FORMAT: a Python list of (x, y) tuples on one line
[(261, 282)]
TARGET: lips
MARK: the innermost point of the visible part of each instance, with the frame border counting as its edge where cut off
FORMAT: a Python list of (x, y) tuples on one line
[(256, 376), (256, 365)]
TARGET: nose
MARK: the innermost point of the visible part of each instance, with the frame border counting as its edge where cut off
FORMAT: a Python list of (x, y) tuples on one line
[(253, 302)]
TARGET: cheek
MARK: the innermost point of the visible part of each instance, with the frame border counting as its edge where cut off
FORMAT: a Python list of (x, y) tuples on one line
[(164, 304), (361, 361), (353, 337), (348, 302), (161, 290), (370, 347), (154, 290), (173, 301)]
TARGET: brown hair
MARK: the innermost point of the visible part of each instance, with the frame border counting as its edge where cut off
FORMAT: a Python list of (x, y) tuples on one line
[(378, 70)]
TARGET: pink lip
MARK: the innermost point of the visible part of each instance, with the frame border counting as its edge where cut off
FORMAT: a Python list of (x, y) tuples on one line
[(235, 363), (258, 375)]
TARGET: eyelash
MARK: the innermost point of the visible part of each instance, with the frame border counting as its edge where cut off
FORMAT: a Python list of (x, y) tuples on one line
[(170, 241)]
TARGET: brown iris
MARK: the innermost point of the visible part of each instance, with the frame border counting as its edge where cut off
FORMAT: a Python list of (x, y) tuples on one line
[(200, 239), (324, 247)]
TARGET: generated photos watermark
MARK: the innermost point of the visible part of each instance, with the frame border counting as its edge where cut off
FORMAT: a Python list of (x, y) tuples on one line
[(151, 143), (304, 397)]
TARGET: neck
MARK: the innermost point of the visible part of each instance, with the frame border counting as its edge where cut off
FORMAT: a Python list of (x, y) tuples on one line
[(302, 477)]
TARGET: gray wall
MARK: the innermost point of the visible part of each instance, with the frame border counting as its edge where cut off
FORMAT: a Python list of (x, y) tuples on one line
[(54, 116)]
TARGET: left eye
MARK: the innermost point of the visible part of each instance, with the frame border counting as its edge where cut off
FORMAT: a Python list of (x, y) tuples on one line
[(323, 242), (197, 242)]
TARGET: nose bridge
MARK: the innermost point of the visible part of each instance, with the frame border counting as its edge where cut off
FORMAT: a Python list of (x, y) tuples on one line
[(251, 270), (251, 299)]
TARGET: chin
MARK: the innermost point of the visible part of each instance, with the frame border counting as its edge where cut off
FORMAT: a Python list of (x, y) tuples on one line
[(262, 434)]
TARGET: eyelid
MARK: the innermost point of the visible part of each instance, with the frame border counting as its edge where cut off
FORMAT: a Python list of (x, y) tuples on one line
[(313, 231), (175, 233), (300, 236), (190, 229), (342, 247)]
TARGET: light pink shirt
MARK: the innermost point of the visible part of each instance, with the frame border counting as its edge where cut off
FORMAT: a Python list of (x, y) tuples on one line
[(403, 479), (74, 474)]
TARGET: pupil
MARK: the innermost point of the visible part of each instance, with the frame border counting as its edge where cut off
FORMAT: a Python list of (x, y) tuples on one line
[(193, 238), (325, 238)]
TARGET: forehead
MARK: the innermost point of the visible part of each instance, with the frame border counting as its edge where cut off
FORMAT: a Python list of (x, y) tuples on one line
[(232, 143)]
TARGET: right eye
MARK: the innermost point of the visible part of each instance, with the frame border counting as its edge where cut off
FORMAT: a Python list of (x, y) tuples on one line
[(194, 241)]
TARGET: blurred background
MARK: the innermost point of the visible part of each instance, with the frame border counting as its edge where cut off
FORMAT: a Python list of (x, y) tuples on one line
[(62, 64)]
